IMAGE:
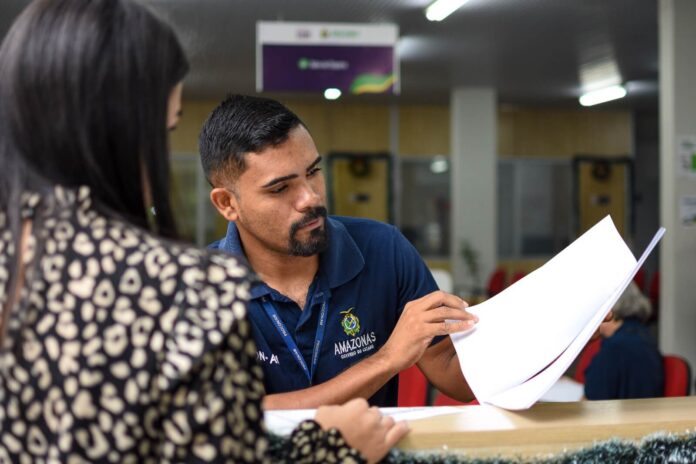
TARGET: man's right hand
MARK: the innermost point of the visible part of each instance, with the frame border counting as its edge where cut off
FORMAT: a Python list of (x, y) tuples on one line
[(420, 321), (435, 314), (364, 428)]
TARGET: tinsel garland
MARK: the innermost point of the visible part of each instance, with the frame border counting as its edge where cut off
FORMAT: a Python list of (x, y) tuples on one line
[(659, 448)]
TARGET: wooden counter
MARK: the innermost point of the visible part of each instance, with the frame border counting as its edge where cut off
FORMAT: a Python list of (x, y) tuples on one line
[(549, 428)]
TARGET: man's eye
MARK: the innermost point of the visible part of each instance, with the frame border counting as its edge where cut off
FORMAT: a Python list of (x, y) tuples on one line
[(279, 189), (314, 170)]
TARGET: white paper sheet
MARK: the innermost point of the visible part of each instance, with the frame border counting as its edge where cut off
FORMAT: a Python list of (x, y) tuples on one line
[(528, 335), (283, 422), (563, 391)]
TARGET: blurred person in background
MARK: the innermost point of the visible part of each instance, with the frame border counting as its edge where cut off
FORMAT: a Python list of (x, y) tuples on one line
[(117, 343), (628, 364)]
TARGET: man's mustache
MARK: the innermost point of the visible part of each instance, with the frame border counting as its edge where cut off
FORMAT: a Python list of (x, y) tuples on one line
[(314, 214)]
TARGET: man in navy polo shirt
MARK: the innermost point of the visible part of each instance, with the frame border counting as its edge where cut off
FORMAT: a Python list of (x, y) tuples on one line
[(342, 304)]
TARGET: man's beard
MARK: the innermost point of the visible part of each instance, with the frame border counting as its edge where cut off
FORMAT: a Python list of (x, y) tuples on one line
[(318, 239)]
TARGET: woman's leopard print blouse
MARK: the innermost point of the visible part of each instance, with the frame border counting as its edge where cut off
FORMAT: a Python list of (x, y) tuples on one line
[(123, 347)]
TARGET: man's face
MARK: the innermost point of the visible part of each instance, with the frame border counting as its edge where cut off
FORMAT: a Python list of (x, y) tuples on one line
[(279, 199)]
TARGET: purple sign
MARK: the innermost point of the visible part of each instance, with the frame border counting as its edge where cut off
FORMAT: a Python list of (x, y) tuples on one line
[(311, 68)]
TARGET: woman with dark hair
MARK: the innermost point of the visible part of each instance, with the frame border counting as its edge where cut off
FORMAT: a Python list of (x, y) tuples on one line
[(117, 344)]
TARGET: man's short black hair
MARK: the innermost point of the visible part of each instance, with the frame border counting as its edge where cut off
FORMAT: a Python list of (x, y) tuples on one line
[(239, 125)]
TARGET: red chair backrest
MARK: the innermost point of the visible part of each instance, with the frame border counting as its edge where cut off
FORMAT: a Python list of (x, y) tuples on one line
[(639, 279), (654, 291), (677, 375), (496, 282), (443, 400), (654, 295), (517, 276), (413, 388), (589, 352)]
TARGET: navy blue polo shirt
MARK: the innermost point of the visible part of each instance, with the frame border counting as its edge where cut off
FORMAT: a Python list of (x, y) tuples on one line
[(627, 366), (366, 276)]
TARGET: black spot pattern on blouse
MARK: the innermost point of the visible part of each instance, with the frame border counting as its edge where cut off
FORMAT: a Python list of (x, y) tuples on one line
[(128, 348)]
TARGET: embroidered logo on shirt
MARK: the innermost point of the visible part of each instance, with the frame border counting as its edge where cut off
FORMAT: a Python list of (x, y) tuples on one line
[(355, 346), (350, 323)]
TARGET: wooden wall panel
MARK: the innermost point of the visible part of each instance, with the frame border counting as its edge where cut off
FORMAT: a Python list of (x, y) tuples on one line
[(316, 118), (194, 113), (334, 127), (360, 128), (613, 192), (347, 127), (373, 186), (424, 130), (564, 133)]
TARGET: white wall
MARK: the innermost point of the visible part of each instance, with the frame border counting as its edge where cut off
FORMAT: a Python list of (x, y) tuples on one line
[(677, 118), (474, 176)]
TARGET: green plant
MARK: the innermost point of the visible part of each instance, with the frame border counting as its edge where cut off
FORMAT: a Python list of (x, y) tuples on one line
[(471, 260)]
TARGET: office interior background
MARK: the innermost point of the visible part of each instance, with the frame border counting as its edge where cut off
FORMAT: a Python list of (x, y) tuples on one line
[(485, 159)]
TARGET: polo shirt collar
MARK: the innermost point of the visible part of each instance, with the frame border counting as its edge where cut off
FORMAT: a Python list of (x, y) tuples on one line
[(343, 260), (231, 242), (340, 263)]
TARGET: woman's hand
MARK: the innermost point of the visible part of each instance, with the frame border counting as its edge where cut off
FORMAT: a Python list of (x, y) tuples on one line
[(363, 427)]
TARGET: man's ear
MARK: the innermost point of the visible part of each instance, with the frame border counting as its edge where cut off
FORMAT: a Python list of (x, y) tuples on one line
[(225, 202)]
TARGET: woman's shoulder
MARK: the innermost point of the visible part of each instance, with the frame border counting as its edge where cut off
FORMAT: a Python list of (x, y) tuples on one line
[(182, 266), (157, 256), (137, 262)]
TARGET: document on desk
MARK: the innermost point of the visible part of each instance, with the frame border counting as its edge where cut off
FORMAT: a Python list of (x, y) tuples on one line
[(530, 333), (283, 422)]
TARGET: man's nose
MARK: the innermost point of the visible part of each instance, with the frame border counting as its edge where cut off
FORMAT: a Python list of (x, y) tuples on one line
[(308, 198)]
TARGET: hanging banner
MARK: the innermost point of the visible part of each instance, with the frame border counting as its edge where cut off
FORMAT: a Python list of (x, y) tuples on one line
[(312, 57)]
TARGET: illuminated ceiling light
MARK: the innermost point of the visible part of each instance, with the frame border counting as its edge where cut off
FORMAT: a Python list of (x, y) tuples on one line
[(440, 9), (332, 94), (606, 94)]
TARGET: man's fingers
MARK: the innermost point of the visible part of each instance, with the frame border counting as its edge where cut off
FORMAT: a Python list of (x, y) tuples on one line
[(439, 298), (446, 328), (444, 313)]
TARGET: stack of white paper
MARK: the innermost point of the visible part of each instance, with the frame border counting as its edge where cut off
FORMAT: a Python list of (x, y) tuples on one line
[(528, 335), (283, 422)]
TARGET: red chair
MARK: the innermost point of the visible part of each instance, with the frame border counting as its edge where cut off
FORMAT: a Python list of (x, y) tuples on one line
[(517, 276), (654, 295), (496, 282), (443, 400), (639, 279), (589, 352), (413, 388), (677, 375)]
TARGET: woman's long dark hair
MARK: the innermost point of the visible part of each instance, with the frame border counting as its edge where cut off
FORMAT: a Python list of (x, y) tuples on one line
[(84, 87)]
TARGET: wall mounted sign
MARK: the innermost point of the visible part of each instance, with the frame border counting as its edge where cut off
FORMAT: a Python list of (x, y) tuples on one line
[(686, 156), (311, 57), (687, 210)]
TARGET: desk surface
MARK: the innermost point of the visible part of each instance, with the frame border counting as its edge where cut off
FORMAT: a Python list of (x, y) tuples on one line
[(485, 431)]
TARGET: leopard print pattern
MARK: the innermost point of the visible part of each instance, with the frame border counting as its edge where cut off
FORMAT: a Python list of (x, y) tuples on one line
[(127, 348)]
